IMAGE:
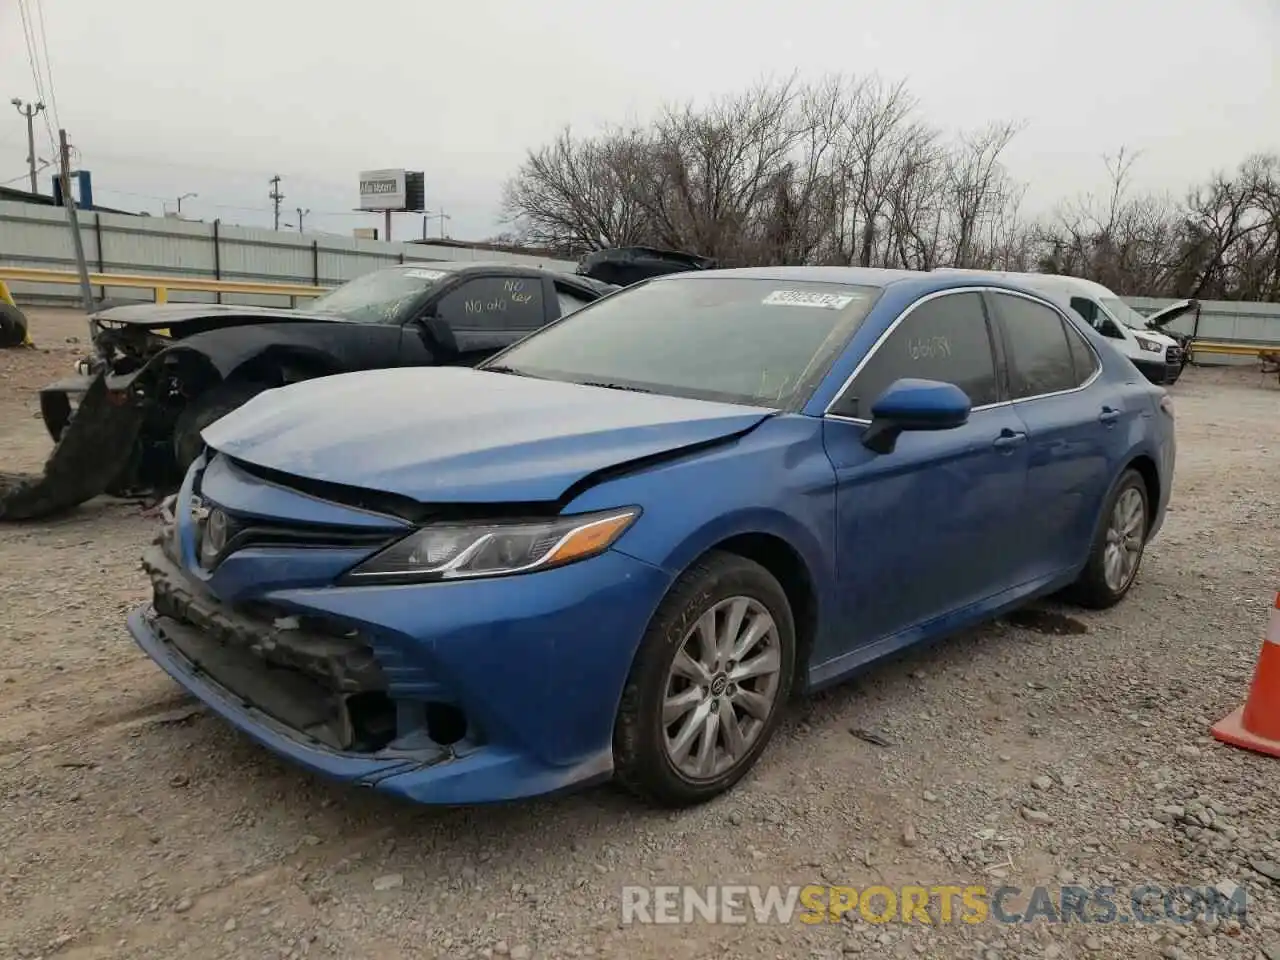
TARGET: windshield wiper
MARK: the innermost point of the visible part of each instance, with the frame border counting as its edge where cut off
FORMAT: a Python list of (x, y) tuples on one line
[(612, 386), (504, 369)]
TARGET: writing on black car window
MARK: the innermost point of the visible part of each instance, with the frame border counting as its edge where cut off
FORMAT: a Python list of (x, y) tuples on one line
[(943, 339)]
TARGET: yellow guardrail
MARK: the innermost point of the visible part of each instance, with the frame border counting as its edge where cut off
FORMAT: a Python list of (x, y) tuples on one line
[(1233, 349), (162, 285), (159, 285)]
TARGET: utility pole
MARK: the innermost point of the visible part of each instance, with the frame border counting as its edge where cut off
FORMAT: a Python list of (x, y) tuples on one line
[(64, 154), (301, 213), (442, 217), (29, 110), (183, 197), (276, 196)]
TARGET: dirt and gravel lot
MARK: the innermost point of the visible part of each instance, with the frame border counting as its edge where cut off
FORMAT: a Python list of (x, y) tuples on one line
[(134, 825)]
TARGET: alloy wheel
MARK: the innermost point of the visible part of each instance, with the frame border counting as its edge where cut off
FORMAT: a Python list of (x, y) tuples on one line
[(722, 687), (1124, 539)]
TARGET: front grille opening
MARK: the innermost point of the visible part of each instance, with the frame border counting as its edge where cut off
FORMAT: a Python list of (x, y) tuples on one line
[(372, 715), (446, 724)]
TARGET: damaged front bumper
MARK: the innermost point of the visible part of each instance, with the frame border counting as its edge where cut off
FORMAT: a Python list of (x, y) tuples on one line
[(364, 683)]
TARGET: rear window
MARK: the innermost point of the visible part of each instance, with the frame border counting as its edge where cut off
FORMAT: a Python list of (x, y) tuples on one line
[(738, 340)]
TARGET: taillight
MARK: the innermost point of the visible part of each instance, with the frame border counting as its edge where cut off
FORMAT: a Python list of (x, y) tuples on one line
[(1166, 404)]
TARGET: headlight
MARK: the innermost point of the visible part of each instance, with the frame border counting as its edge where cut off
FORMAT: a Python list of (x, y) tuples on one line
[(462, 551), (1149, 345), (213, 538)]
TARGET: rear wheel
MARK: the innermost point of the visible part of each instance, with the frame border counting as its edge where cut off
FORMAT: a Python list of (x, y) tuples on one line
[(708, 684), (1116, 554), (13, 326), (210, 406)]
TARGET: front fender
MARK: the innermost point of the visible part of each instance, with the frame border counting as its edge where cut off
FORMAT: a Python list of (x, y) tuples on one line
[(758, 520), (226, 351), (776, 480)]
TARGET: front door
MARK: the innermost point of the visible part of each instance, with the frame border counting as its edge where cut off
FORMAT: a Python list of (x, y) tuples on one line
[(932, 527), (485, 314)]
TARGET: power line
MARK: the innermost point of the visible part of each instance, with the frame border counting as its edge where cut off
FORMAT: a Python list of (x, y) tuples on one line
[(44, 165), (31, 49), (33, 59), (48, 64), (129, 193)]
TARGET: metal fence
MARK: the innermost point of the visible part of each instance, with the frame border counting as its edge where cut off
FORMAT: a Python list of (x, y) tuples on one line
[(37, 236), (1224, 321)]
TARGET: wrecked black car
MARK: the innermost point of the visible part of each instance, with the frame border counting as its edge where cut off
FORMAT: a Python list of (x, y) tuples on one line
[(129, 422)]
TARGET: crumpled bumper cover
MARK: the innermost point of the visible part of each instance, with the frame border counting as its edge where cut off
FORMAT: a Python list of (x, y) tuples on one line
[(538, 662)]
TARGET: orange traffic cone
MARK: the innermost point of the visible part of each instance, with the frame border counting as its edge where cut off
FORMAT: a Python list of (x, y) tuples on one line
[(1256, 725)]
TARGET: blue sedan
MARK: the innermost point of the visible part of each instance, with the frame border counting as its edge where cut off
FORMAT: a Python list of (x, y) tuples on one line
[(617, 548)]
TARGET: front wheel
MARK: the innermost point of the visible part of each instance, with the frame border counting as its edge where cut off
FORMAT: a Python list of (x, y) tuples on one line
[(708, 684), (1117, 551), (210, 406)]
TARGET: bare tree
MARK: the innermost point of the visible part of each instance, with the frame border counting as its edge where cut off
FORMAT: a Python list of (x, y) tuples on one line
[(846, 171), (581, 194)]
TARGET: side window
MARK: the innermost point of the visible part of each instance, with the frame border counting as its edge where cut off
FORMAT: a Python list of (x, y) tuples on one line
[(569, 302), (494, 303), (1039, 354), (1083, 359), (941, 339), (1096, 318), (1086, 308)]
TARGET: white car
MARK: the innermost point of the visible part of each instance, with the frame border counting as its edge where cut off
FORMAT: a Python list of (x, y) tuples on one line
[(1156, 354)]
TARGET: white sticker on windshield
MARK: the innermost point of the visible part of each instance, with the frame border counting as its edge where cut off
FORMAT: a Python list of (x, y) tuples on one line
[(424, 274), (807, 298)]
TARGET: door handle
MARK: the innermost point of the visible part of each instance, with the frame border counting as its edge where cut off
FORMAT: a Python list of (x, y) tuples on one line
[(1108, 416), (1009, 440)]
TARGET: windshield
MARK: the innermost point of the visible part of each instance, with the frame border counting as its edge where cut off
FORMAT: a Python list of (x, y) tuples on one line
[(1130, 317), (380, 297), (757, 342)]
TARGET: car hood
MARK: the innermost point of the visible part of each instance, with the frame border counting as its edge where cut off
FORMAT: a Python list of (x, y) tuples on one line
[(458, 435), (1162, 318), (163, 315)]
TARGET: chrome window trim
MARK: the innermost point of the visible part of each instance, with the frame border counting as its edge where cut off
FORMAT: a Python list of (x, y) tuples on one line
[(880, 340)]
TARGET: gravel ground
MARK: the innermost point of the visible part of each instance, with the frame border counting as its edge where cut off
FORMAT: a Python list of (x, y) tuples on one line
[(1039, 751)]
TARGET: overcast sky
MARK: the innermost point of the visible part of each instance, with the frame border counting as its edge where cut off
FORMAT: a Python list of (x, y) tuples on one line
[(164, 97)]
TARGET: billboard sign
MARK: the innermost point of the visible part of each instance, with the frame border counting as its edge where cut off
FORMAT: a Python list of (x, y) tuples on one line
[(382, 190)]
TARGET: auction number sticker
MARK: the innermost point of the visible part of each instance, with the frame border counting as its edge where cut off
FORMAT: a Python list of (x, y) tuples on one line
[(419, 274), (808, 298)]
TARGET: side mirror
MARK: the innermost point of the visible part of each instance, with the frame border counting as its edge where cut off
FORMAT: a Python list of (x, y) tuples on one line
[(911, 404), (441, 331)]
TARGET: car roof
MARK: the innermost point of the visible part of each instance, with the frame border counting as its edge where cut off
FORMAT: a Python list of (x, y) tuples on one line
[(506, 266), (458, 266), (1041, 282), (916, 282), (864, 276)]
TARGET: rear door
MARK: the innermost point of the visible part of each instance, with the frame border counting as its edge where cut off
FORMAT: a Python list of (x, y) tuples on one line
[(1071, 426)]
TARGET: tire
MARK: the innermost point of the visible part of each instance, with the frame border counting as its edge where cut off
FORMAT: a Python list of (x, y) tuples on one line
[(13, 326), (1092, 589), (642, 759), (210, 406)]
